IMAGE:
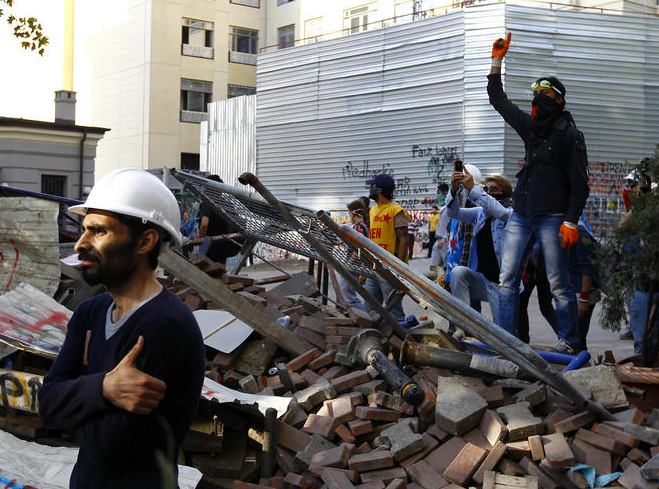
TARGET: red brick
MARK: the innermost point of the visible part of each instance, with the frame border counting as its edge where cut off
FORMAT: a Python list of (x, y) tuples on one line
[(344, 434), (360, 426), (376, 414), (574, 422), (336, 480), (425, 475), (291, 438), (322, 361), (364, 462), (301, 360), (317, 340), (350, 474), (557, 452), (296, 480), (518, 449), (347, 331), (601, 441), (384, 475), (631, 415), (442, 456), (537, 450), (430, 442), (600, 460), (492, 427), (348, 381), (465, 464), (493, 395), (334, 457), (335, 371), (639, 457), (476, 437), (341, 409), (508, 467), (312, 323), (621, 436), (334, 321), (438, 433), (491, 460), (337, 340), (555, 417), (397, 484), (360, 318), (276, 482), (363, 448), (374, 484), (654, 451), (319, 425), (310, 376)]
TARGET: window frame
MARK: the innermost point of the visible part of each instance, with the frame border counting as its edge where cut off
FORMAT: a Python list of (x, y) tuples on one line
[(286, 43)]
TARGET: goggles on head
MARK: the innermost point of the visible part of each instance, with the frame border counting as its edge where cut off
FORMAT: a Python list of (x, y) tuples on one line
[(545, 84)]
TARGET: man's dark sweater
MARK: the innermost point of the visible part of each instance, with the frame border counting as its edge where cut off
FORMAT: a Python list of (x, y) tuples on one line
[(554, 179), (117, 448)]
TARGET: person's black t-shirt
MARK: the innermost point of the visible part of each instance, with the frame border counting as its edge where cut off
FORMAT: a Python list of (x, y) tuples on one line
[(217, 226), (487, 259)]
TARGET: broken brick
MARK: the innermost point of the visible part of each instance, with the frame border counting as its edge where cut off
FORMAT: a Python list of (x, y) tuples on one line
[(301, 360), (425, 475), (348, 381), (364, 462), (465, 464), (490, 462), (376, 414)]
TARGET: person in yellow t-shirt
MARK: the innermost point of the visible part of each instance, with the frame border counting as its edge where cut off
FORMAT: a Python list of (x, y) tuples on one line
[(388, 228), (433, 220)]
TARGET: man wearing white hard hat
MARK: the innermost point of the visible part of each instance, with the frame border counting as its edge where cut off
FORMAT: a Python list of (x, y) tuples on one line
[(130, 372)]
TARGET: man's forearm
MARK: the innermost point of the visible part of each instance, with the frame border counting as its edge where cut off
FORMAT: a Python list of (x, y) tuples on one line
[(401, 243)]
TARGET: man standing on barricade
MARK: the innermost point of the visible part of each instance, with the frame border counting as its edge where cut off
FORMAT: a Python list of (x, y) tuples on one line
[(551, 191), (388, 229), (129, 375)]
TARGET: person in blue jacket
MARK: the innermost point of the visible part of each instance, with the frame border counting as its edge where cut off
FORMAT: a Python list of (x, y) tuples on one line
[(129, 375), (479, 281)]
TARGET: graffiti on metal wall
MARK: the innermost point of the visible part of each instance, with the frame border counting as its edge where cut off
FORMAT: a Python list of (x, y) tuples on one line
[(355, 171), (605, 206), (19, 390), (440, 160)]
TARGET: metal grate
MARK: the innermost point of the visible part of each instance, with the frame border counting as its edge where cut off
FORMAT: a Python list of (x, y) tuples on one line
[(256, 219)]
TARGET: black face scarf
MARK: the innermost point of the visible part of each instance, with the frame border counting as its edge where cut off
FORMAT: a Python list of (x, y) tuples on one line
[(544, 112)]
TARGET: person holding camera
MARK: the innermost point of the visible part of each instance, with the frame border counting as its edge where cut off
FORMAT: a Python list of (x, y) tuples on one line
[(551, 191)]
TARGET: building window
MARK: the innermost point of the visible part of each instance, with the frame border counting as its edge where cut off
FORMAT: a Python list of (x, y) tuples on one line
[(53, 185), (195, 97), (283, 2), (356, 19), (244, 40), (189, 161), (238, 90), (313, 30), (197, 38), (286, 36)]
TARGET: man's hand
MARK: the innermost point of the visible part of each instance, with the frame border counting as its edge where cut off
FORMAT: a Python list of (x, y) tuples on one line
[(467, 180), (582, 309), (500, 47), (456, 180), (129, 388), (568, 234)]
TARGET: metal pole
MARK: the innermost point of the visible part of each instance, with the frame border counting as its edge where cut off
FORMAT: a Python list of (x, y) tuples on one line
[(268, 449), (245, 251), (325, 284), (368, 347), (476, 324), (251, 179)]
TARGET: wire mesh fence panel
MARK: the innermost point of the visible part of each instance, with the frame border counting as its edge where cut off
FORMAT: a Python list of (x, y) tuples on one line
[(257, 219)]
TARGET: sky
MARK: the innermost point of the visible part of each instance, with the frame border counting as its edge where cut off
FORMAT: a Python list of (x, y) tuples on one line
[(29, 81)]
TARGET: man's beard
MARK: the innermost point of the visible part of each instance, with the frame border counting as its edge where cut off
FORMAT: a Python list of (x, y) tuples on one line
[(112, 269)]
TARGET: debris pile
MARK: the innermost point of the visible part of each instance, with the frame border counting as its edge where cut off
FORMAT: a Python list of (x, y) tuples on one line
[(349, 423)]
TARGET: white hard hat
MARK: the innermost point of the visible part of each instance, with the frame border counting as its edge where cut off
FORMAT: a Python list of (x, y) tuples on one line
[(137, 193), (474, 172)]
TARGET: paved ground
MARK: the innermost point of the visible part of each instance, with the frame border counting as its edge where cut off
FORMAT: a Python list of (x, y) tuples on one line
[(541, 333)]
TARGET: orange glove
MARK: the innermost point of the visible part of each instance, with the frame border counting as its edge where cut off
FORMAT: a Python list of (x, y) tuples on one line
[(500, 47), (568, 234)]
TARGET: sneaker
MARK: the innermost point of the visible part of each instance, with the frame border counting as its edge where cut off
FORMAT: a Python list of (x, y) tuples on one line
[(626, 335), (564, 348)]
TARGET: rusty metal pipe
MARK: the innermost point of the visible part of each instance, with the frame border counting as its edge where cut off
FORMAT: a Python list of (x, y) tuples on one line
[(369, 347)]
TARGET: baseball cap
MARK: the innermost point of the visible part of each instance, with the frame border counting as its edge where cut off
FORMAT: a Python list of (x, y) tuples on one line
[(383, 181)]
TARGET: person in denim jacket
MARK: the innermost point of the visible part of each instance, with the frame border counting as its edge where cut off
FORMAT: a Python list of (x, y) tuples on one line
[(479, 281)]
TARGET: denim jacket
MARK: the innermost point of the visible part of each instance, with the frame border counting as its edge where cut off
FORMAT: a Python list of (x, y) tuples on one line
[(487, 206)]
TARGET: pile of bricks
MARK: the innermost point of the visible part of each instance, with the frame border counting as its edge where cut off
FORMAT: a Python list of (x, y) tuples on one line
[(345, 427)]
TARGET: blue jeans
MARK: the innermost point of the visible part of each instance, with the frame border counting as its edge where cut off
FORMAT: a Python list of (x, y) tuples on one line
[(520, 234), (469, 285), (380, 291), (350, 294), (638, 312)]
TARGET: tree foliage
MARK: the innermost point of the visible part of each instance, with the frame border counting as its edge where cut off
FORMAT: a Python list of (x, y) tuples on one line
[(27, 29), (629, 258)]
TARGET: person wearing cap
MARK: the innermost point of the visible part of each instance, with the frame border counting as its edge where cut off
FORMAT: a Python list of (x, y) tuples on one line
[(129, 375), (388, 229), (356, 213), (551, 191)]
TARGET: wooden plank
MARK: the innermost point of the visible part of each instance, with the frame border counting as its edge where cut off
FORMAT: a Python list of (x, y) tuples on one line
[(237, 305), (509, 480), (489, 479)]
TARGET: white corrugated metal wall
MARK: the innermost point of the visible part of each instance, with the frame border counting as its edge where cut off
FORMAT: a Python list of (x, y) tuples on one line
[(228, 138), (334, 113), (410, 98)]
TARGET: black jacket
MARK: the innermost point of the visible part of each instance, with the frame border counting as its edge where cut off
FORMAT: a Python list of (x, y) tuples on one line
[(554, 179)]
